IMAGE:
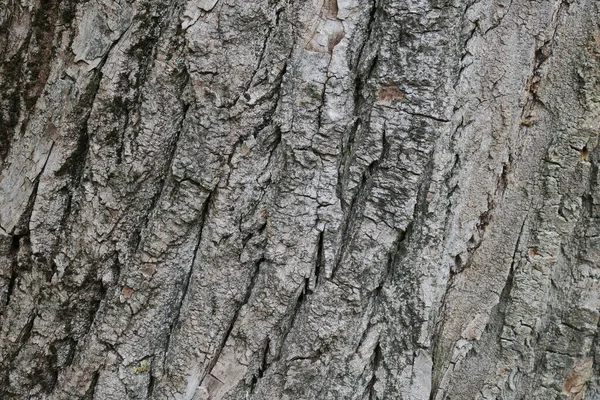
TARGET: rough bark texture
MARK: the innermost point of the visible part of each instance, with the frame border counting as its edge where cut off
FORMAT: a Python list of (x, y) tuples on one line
[(323, 199)]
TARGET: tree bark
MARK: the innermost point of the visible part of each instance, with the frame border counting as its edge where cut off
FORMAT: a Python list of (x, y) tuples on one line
[(325, 199)]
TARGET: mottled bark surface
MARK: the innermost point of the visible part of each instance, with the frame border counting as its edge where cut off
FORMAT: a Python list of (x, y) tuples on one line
[(351, 199)]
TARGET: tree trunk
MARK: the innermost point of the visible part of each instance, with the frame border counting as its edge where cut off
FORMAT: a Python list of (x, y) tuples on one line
[(325, 199)]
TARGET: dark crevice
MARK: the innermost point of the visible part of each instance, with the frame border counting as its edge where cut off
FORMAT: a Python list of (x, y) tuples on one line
[(264, 364), (594, 352), (13, 253), (229, 330), (432, 117), (503, 178), (25, 333), (261, 55), (25, 74), (89, 394), (497, 23), (66, 358), (541, 56), (151, 385), (375, 363), (45, 373), (504, 298), (267, 120), (143, 51), (393, 257), (350, 217), (288, 328), (99, 291), (346, 150), (9, 358), (174, 143), (516, 259), (320, 261), (361, 78), (10, 110), (365, 334), (75, 163), (498, 314), (11, 286), (259, 231), (110, 49), (164, 176), (253, 279), (321, 105), (465, 42), (369, 32), (358, 201), (463, 260), (274, 144), (41, 42), (22, 227), (219, 350), (361, 95), (274, 95), (186, 283), (451, 187), (485, 217), (312, 358)]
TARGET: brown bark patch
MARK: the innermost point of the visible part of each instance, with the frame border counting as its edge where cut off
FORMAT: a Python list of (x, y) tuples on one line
[(149, 271), (331, 8), (528, 121), (533, 251), (390, 93), (127, 291), (581, 372), (334, 40), (584, 154)]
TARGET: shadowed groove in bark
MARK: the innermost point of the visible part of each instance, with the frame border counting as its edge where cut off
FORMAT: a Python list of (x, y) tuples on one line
[(22, 339), (287, 327), (167, 173), (14, 273), (375, 363), (320, 260), (28, 69), (264, 364), (362, 101), (186, 283), (268, 37), (361, 195), (22, 227), (360, 82), (44, 17), (89, 394), (234, 319)]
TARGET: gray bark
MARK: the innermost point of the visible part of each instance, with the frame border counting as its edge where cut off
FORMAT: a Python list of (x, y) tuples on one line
[(325, 199)]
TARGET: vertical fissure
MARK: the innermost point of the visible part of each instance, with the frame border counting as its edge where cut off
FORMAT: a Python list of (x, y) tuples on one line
[(375, 363), (186, 283), (320, 261)]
